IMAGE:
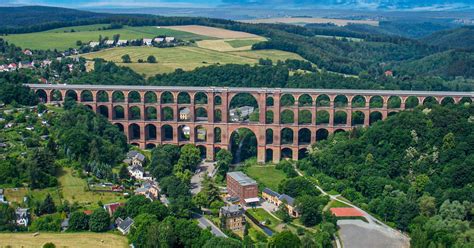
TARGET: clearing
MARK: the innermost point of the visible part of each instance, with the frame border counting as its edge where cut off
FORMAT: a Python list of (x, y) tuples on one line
[(213, 32), (229, 45), (307, 20), (266, 176), (80, 240), (63, 38)]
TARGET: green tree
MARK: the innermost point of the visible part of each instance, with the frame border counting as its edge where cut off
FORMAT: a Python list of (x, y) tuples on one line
[(126, 58), (310, 208), (151, 59), (189, 158), (99, 220), (285, 239), (78, 221), (7, 217), (47, 206), (222, 242), (123, 173), (133, 205)]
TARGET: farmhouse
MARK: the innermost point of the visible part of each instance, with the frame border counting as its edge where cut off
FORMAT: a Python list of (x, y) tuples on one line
[(243, 187), (232, 217), (277, 199)]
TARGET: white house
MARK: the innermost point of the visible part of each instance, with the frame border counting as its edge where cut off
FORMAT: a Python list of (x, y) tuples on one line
[(158, 40), (109, 42), (94, 43), (121, 42), (22, 216), (169, 39), (147, 42), (139, 173)]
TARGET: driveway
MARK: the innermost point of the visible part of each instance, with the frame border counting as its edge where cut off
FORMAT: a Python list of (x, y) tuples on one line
[(359, 234), (205, 223), (196, 179)]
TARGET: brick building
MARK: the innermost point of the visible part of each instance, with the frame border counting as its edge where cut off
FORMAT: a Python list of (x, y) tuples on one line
[(243, 187)]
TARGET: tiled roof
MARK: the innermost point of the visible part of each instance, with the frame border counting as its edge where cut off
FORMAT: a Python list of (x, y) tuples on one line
[(289, 200), (271, 192), (346, 212)]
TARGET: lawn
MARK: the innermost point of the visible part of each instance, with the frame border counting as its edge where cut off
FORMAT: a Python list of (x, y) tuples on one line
[(242, 43), (266, 175), (63, 38), (263, 216), (79, 240)]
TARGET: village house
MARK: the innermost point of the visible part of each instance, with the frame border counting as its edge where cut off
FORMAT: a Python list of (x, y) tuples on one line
[(159, 40), (22, 216), (12, 67), (149, 189), (27, 52), (94, 43), (124, 225), (135, 158), (121, 43), (232, 217), (2, 197), (242, 187), (112, 207), (3, 68), (147, 42), (169, 39), (139, 173), (184, 114), (26, 65), (279, 199), (238, 114), (109, 42)]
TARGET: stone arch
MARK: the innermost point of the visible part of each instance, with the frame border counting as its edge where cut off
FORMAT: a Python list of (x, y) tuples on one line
[(184, 114), (323, 101), (287, 100), (340, 130), (358, 118), (167, 114), (134, 113), (184, 133), (86, 96), (103, 110), (119, 126), (242, 108), (430, 101), (134, 97), (287, 117), (135, 144), (72, 95), (269, 117), (184, 98), (151, 113), (269, 136), (56, 96), (411, 102), (41, 94), (202, 151), (305, 100), (447, 101), (243, 144), (166, 133), (268, 155), (392, 113), (304, 117), (134, 131), (200, 133), (340, 101), (150, 97), (118, 96), (166, 97), (150, 132), (269, 101), (304, 136), (217, 100), (200, 98), (394, 102), (118, 113), (89, 106), (217, 135), (286, 153), (287, 136), (102, 96), (340, 118), (322, 117), (465, 100), (376, 102), (201, 114), (217, 115), (374, 117), (302, 153), (150, 146), (358, 101), (322, 134)]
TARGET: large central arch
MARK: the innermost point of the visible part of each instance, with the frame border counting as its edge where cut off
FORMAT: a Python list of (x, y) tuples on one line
[(243, 144)]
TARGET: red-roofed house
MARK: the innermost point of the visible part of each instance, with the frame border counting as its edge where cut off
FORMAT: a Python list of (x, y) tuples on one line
[(346, 212), (112, 207), (88, 212), (388, 73)]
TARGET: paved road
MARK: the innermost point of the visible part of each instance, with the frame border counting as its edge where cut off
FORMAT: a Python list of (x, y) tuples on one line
[(196, 179), (205, 223)]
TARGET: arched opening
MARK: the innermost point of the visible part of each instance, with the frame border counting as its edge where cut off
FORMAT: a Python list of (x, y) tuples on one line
[(358, 101), (305, 100), (269, 101), (56, 96), (304, 136), (322, 134), (411, 102), (200, 98), (392, 113), (135, 144), (430, 101), (103, 110), (339, 131), (376, 102), (166, 98), (119, 126), (134, 113), (340, 118), (302, 153), (322, 117), (150, 113), (269, 136), (217, 135), (42, 95), (150, 146), (286, 153), (268, 155), (150, 132), (243, 144), (286, 136), (323, 101), (184, 114), (201, 114), (243, 108), (287, 117), (304, 117), (150, 97), (102, 96), (287, 100), (184, 98), (217, 149), (86, 96), (118, 113), (89, 106), (184, 133), (202, 151), (71, 94), (217, 100), (166, 133), (134, 97), (374, 117), (167, 114), (465, 100), (201, 134), (217, 115), (118, 96), (447, 101), (340, 101), (358, 118), (394, 102), (134, 131), (269, 117)]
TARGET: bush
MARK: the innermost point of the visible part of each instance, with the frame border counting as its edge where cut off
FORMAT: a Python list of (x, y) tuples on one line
[(50, 222), (99, 221)]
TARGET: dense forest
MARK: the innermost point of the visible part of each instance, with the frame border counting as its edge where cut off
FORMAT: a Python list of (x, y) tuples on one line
[(414, 170)]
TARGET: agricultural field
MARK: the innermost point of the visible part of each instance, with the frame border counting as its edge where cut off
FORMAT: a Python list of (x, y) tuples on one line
[(79, 240), (64, 38), (307, 20), (266, 175), (229, 45), (213, 32)]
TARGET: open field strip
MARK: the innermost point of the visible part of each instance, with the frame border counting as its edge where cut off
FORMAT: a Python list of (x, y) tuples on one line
[(306, 20), (229, 45), (79, 240), (213, 32)]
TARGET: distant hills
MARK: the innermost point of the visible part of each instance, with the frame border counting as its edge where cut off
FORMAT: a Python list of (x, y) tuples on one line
[(453, 38)]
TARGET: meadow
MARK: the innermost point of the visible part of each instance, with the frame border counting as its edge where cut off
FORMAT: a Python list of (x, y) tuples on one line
[(79, 240), (266, 175)]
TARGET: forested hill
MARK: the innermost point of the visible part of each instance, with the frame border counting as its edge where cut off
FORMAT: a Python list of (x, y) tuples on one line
[(454, 38)]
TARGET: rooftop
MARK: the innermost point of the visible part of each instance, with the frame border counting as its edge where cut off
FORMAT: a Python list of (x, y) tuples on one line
[(346, 212), (241, 178)]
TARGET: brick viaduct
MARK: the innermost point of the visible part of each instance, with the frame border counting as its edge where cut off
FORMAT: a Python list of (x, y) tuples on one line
[(288, 120)]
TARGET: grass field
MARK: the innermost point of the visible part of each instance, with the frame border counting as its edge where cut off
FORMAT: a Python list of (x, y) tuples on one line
[(241, 43), (79, 240), (229, 45), (266, 175), (213, 32), (184, 57), (63, 38), (263, 216)]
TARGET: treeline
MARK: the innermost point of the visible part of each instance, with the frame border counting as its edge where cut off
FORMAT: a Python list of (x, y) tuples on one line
[(414, 170)]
